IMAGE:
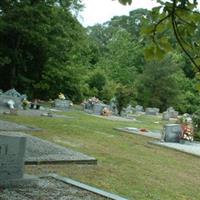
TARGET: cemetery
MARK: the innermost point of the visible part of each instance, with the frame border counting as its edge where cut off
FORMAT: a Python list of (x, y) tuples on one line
[(99, 100), (46, 146), (50, 151)]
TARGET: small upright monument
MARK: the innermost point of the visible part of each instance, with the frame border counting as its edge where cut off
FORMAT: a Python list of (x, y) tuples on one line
[(172, 133), (12, 150)]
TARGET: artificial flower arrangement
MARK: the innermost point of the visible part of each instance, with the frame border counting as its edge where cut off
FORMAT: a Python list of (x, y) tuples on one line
[(187, 128), (25, 104), (61, 96)]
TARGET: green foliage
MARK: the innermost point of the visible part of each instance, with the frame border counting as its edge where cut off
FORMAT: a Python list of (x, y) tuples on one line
[(100, 86), (121, 64), (123, 97), (97, 80), (109, 91), (189, 98), (124, 2), (196, 123), (157, 85), (43, 48), (173, 22)]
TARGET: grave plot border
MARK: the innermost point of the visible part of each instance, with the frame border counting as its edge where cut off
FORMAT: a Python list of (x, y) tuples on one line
[(140, 133), (165, 145), (85, 187), (60, 162)]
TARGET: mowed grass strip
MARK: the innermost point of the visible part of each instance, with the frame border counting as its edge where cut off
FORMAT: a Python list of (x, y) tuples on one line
[(127, 164)]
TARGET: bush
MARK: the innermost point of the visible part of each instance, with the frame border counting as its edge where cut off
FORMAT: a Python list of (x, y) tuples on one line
[(196, 124), (123, 97)]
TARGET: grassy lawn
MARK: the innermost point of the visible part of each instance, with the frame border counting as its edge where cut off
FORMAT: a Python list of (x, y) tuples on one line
[(127, 164)]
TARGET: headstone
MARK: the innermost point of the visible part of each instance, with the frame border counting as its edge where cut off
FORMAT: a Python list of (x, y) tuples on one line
[(98, 108), (172, 133), (88, 106), (152, 111), (113, 108), (139, 108), (11, 95), (129, 109), (12, 149), (4, 99), (62, 104), (165, 116), (172, 112)]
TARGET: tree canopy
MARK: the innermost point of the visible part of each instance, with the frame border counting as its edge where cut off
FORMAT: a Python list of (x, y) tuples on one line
[(44, 50), (179, 16)]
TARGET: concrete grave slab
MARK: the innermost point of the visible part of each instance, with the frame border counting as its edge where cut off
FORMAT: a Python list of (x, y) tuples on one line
[(137, 131), (116, 118), (40, 151), (192, 148), (11, 126)]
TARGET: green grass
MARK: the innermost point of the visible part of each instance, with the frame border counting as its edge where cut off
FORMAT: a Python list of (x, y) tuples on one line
[(127, 164)]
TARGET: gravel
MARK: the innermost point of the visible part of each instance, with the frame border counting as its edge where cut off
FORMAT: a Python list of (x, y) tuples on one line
[(40, 151), (48, 189)]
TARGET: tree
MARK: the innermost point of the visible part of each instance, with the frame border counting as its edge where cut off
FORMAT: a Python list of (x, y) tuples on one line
[(122, 59), (123, 97), (157, 86), (41, 45), (179, 16)]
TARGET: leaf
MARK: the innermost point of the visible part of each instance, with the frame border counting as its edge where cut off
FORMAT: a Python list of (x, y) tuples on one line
[(165, 44), (149, 53), (124, 2), (147, 29)]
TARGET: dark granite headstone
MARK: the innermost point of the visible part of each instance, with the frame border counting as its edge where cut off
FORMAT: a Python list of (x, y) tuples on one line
[(98, 108), (172, 133)]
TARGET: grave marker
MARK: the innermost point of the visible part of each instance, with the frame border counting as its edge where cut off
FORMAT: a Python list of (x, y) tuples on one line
[(62, 104), (172, 133), (152, 111), (12, 149)]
